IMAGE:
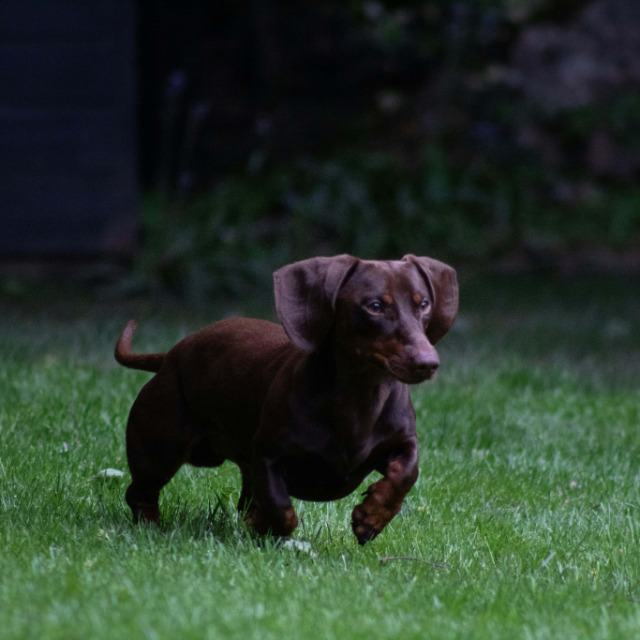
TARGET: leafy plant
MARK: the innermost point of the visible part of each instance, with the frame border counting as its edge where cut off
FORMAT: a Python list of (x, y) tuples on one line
[(229, 240)]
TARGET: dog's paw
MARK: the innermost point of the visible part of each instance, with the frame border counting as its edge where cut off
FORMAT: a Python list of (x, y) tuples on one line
[(366, 526), (275, 523)]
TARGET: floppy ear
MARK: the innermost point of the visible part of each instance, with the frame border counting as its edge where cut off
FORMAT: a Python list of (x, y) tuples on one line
[(444, 284), (305, 294)]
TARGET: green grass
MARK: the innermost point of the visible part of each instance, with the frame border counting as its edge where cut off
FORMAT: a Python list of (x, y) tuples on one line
[(524, 523)]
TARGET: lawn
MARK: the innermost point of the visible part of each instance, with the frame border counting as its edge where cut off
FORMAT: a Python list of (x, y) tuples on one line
[(524, 523)]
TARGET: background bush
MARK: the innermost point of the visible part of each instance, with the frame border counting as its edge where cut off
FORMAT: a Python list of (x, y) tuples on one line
[(493, 132)]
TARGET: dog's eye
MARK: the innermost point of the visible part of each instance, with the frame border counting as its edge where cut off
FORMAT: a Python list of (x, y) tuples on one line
[(375, 306), (424, 305)]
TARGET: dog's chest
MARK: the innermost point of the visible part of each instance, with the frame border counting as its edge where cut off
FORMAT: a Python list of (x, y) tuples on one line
[(329, 453), (327, 475)]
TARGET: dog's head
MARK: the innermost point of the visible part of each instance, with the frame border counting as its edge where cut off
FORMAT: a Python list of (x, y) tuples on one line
[(383, 316)]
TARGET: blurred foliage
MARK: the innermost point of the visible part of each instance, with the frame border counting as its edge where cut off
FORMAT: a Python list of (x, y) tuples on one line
[(230, 240), (446, 158)]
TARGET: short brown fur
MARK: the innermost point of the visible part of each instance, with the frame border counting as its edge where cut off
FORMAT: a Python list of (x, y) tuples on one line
[(307, 409)]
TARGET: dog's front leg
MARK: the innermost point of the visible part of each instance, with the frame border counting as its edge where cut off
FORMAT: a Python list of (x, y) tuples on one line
[(270, 511), (384, 498)]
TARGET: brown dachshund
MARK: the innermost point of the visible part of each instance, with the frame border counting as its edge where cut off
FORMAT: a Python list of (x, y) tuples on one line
[(307, 409)]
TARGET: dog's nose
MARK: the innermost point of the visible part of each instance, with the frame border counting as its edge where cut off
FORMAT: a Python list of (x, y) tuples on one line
[(426, 363)]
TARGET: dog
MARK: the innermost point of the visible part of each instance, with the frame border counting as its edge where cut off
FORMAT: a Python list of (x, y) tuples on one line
[(306, 409)]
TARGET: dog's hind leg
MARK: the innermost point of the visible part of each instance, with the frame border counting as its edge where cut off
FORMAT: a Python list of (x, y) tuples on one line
[(157, 446)]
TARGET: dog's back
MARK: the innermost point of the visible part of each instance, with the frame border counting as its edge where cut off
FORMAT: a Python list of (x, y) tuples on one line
[(226, 369)]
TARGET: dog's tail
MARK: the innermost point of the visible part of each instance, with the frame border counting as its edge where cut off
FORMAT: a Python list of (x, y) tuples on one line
[(145, 361)]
